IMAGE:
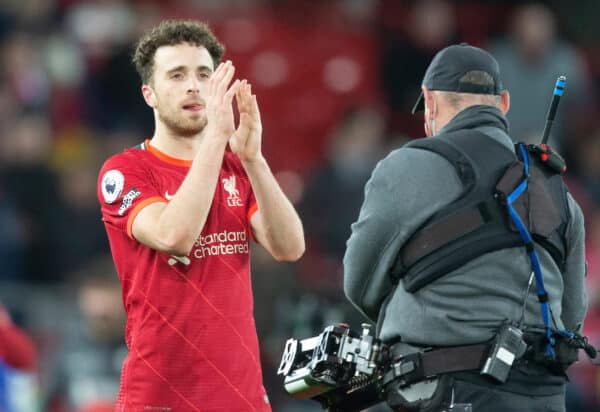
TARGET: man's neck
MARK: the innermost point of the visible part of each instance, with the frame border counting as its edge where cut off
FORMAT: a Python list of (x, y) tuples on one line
[(174, 145)]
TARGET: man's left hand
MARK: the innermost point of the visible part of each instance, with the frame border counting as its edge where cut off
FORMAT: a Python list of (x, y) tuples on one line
[(246, 141)]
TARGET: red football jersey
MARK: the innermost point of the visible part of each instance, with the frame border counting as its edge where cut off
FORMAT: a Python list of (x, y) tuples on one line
[(190, 326)]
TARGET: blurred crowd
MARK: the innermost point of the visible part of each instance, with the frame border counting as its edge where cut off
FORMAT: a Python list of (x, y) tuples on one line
[(335, 79)]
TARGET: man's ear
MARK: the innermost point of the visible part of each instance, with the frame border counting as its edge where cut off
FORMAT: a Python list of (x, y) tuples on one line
[(428, 102), (149, 95), (504, 102)]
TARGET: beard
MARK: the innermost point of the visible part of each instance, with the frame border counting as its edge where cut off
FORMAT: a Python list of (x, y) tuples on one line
[(181, 125)]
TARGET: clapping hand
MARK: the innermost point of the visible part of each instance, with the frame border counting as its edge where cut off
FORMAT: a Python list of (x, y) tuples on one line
[(219, 111), (246, 141)]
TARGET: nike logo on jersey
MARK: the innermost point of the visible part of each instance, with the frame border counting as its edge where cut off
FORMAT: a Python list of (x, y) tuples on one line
[(181, 259), (168, 196)]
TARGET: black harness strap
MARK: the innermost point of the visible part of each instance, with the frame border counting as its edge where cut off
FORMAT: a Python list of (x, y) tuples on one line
[(420, 365), (442, 232), (477, 221)]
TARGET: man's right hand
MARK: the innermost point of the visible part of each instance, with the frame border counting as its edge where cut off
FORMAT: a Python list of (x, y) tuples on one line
[(219, 100)]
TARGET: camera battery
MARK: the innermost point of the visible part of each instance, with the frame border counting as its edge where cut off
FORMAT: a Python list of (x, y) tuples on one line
[(508, 346)]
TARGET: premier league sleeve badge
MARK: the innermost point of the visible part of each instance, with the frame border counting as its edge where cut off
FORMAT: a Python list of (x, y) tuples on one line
[(112, 185)]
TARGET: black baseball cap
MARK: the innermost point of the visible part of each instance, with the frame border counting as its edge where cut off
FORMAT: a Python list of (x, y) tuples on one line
[(450, 65)]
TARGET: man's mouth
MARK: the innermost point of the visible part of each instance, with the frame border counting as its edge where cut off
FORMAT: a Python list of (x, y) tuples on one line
[(193, 107)]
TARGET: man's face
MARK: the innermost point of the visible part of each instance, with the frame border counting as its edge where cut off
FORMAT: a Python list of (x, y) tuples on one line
[(179, 85), (429, 115)]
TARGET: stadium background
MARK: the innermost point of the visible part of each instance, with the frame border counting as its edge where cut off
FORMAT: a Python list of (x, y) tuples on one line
[(335, 81)]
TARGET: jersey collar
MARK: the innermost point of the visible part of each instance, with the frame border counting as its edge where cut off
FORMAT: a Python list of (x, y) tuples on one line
[(165, 157)]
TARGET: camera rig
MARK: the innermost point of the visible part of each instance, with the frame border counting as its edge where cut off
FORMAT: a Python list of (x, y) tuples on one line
[(347, 372), (341, 370)]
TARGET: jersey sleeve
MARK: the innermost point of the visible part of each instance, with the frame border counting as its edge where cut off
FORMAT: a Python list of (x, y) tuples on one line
[(249, 198), (125, 187), (252, 205)]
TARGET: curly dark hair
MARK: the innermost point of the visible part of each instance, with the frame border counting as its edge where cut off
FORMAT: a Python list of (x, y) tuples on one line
[(171, 33)]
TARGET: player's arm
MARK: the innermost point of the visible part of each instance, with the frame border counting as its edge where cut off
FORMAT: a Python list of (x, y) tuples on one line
[(173, 227), (276, 225)]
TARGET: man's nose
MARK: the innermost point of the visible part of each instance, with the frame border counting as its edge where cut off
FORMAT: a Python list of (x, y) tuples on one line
[(193, 86)]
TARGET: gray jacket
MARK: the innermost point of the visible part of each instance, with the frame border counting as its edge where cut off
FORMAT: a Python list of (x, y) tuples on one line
[(468, 304)]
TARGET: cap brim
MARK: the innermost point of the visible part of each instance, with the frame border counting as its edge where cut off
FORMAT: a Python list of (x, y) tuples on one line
[(419, 105)]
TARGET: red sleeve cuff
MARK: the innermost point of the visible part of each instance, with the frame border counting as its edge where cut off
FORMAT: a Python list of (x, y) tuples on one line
[(253, 209), (137, 209)]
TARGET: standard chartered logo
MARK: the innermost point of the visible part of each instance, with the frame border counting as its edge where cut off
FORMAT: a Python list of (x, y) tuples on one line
[(215, 244), (221, 243)]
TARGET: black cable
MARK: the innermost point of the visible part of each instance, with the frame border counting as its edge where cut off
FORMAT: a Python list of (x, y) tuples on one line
[(525, 296)]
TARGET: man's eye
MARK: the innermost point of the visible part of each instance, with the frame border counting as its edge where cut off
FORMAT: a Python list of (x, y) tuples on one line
[(177, 76), (204, 75)]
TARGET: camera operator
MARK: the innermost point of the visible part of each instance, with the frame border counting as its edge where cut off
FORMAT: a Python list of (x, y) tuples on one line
[(430, 261)]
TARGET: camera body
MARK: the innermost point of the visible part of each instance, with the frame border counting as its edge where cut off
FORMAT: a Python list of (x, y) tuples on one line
[(334, 365)]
